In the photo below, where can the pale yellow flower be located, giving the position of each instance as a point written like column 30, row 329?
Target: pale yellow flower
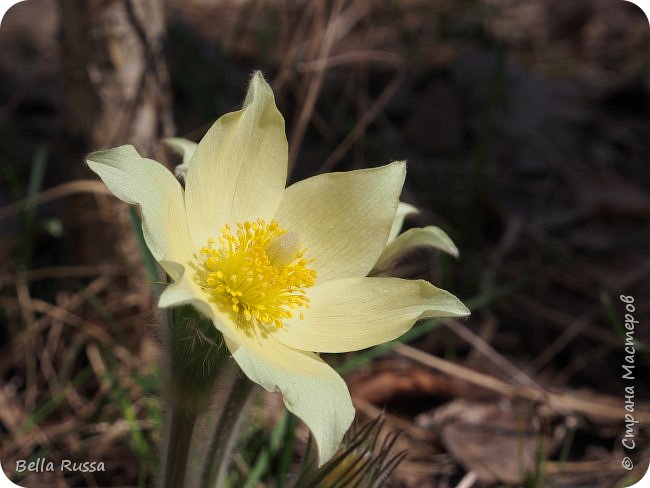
column 280, row 271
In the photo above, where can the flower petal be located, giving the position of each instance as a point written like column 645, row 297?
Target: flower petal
column 239, row 169
column 403, row 210
column 343, row 218
column 186, row 149
column 310, row 388
column 185, row 292
column 429, row 236
column 150, row 185
column 356, row 313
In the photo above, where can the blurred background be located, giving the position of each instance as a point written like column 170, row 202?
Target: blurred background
column 527, row 132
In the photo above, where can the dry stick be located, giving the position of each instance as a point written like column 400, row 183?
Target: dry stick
column 442, row 465
column 563, row 319
column 352, row 57
column 11, row 415
column 75, row 301
column 579, row 324
column 53, row 312
column 39, row 436
column 362, row 104
column 486, row 332
column 490, row 353
column 320, row 65
column 576, row 327
column 372, row 113
column 554, row 400
column 284, row 27
column 320, row 124
column 468, row 480
column 49, row 373
column 508, row 240
column 562, row 376
column 293, row 49
column 29, row 343
column 313, row 44
column 70, row 188
column 584, row 467
column 344, row 23
column 65, row 272
column 53, row 339
column 104, row 435
column 98, row 366
column 28, row 306
column 314, row 87
column 46, row 364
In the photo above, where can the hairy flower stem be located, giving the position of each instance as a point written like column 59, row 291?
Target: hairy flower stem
column 180, row 435
column 227, row 432
column 194, row 356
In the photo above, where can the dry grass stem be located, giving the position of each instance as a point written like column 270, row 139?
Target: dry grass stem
column 605, row 408
column 63, row 190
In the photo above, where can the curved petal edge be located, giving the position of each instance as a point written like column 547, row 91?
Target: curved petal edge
column 357, row 313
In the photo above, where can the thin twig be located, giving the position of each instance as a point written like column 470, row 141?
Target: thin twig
column 490, row 353
column 369, row 116
column 70, row 188
column 309, row 103
column 576, row 327
column 559, row 401
column 65, row 272
column 468, row 480
column 29, row 342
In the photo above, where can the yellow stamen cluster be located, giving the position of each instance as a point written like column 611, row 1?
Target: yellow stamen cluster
column 257, row 272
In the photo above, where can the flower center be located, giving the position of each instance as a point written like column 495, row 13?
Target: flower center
column 257, row 272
